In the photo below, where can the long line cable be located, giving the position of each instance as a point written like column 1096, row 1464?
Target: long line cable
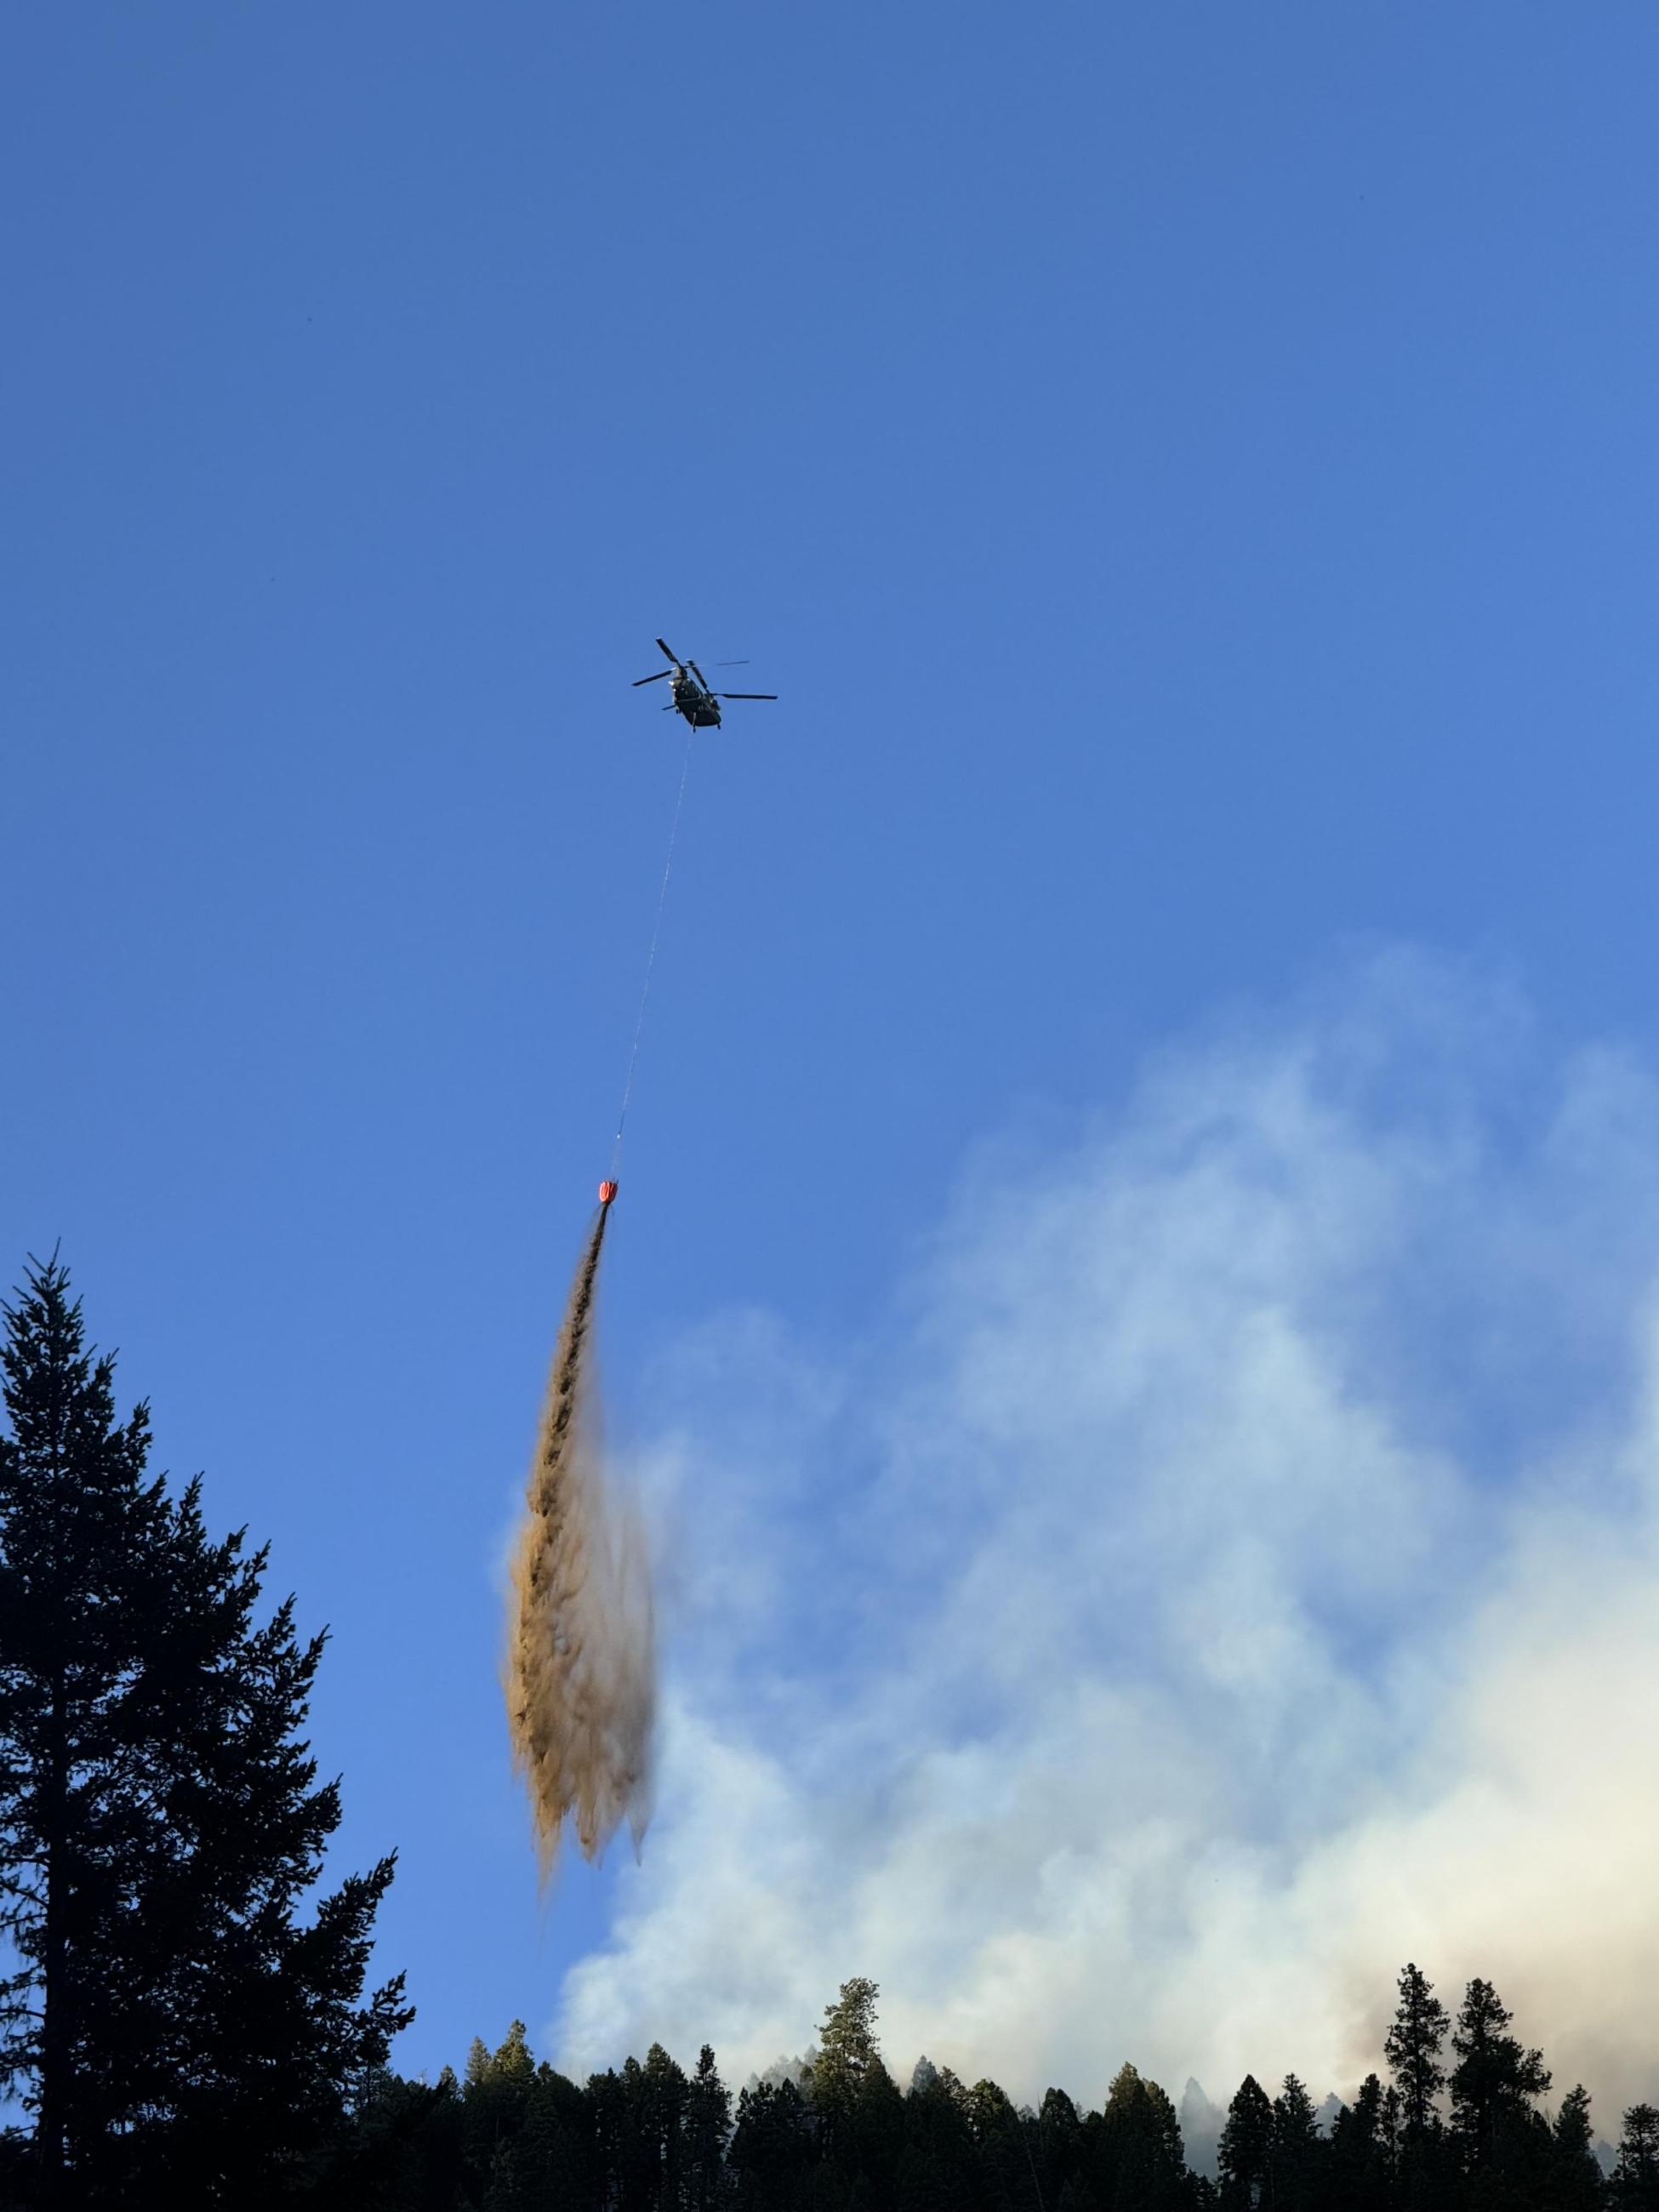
column 651, row 956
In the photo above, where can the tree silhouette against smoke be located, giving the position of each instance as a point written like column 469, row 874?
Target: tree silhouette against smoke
column 1576, row 2176
column 1412, row 2050
column 1494, row 2087
column 649, row 2138
column 1635, row 2176
column 1245, row 2155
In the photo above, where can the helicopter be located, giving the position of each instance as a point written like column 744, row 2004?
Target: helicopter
column 692, row 694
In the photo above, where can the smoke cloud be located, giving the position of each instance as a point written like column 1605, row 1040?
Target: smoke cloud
column 581, row 1673
column 1228, row 1569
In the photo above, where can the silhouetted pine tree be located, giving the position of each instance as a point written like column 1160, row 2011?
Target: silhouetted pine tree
column 610, row 2126
column 524, row 2138
column 175, row 2034
column 708, row 2118
column 663, row 2090
column 938, row 2171
column 1005, row 2157
column 495, row 2100
column 1059, row 2146
column 1298, row 2158
column 1575, row 2176
column 770, row 2159
column 1139, row 2162
column 1412, row 2050
column 1244, row 2155
column 1502, row 2143
column 874, row 2139
column 1423, row 2169
column 1358, row 2165
column 635, row 2127
column 1391, row 2134
column 1635, row 2187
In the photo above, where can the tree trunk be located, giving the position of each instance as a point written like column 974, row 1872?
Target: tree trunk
column 49, row 2129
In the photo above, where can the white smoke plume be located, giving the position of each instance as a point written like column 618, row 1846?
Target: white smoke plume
column 1231, row 1570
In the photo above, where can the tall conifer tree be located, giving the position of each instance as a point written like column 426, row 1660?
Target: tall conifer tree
column 846, row 2045
column 1576, row 2178
column 1493, row 2085
column 1244, row 2155
column 1413, row 2050
column 1298, row 2149
column 1359, row 2145
column 175, row 2033
column 707, row 2121
column 1635, row 2185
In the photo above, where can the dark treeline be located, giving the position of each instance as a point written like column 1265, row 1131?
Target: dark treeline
column 183, row 2016
column 1455, row 2127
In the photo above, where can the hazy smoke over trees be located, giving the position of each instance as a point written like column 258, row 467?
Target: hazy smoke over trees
column 839, row 2132
column 1226, row 1565
column 581, row 1658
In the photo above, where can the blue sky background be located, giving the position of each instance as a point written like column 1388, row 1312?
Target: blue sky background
column 1189, row 471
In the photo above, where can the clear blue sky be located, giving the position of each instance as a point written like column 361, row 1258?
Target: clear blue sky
column 1189, row 470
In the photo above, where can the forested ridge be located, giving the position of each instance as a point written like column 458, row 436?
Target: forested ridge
column 185, row 2020
column 1455, row 2119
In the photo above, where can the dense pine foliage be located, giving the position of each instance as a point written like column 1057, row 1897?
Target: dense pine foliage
column 177, row 2029
column 838, row 2135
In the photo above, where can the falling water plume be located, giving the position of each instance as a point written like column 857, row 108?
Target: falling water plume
column 581, row 1661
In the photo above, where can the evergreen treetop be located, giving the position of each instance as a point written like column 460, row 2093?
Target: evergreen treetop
column 1412, row 2050
column 1495, row 2079
column 1244, row 2156
column 170, row 2022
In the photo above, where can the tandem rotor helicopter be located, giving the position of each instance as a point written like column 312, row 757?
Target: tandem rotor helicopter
column 692, row 694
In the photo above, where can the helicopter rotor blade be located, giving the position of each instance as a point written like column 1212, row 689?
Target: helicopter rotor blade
column 670, row 651
column 698, row 673
column 730, row 664
column 746, row 695
column 660, row 676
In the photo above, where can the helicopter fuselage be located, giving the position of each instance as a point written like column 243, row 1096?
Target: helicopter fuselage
column 699, row 707
column 690, row 694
